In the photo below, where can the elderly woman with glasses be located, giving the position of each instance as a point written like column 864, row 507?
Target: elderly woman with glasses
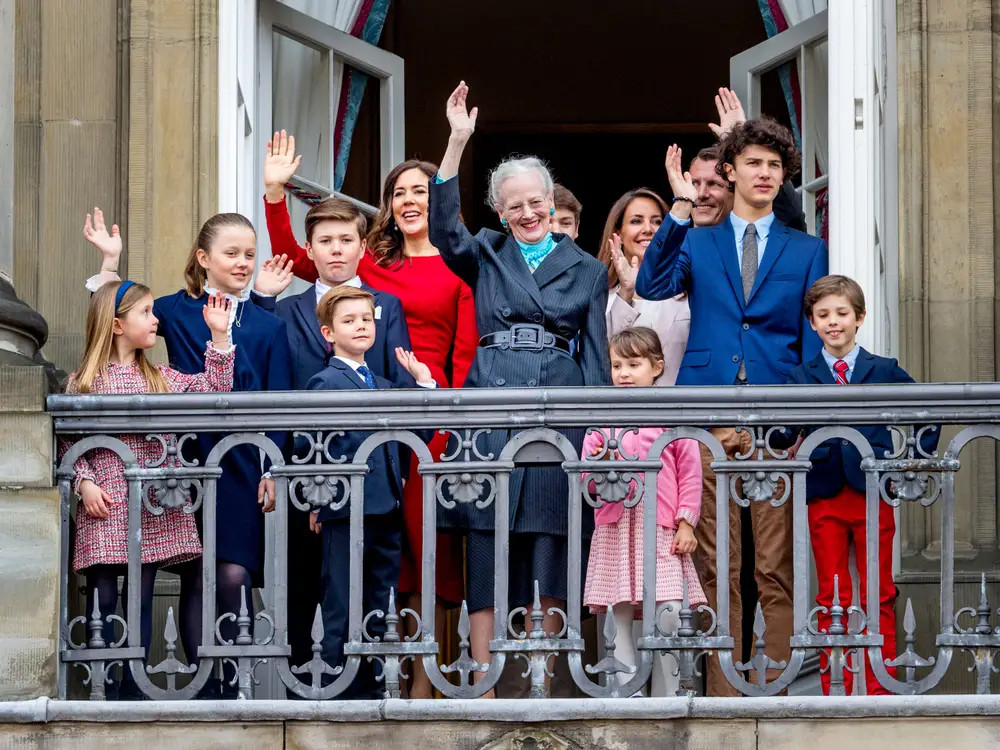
column 535, row 291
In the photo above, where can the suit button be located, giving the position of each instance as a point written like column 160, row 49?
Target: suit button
column 746, row 326
column 537, row 317
column 532, row 382
column 736, row 358
column 505, row 312
column 500, row 381
column 844, row 442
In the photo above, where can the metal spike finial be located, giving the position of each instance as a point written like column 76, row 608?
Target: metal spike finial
column 464, row 664
column 983, row 610
column 243, row 621
column 96, row 625
column 537, row 616
column 391, row 619
column 837, row 626
column 686, row 628
column 760, row 662
column 316, row 667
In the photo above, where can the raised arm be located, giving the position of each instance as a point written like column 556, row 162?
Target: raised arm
column 447, row 233
column 280, row 163
column 108, row 244
column 663, row 273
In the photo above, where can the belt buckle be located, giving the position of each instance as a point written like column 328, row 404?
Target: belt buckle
column 526, row 336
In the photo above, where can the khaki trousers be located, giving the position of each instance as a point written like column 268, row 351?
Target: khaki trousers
column 772, row 537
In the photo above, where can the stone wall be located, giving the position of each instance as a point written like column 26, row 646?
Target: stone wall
column 29, row 538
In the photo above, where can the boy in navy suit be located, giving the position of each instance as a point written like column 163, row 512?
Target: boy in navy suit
column 335, row 231
column 835, row 308
column 347, row 316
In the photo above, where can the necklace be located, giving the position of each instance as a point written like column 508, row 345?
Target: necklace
column 240, row 308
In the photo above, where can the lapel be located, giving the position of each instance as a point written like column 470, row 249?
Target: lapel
column 563, row 256
column 347, row 372
column 725, row 243
column 512, row 260
column 776, row 242
column 818, row 369
column 863, row 365
column 305, row 310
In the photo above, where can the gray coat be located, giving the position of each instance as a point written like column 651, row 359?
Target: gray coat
column 567, row 294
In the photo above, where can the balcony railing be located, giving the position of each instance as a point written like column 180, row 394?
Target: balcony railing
column 466, row 473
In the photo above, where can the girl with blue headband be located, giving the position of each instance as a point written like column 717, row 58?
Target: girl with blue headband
column 221, row 260
column 121, row 326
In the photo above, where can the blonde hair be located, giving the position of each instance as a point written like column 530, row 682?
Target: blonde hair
column 328, row 305
column 194, row 274
column 101, row 337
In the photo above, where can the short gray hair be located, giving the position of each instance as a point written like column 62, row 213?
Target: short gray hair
column 512, row 167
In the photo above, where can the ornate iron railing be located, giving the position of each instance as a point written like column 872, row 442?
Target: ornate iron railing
column 535, row 419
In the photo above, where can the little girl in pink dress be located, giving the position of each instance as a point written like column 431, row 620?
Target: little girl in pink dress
column 614, row 571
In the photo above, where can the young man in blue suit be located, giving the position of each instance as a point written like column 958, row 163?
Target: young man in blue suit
column 348, row 324
column 835, row 487
column 335, row 242
column 745, row 277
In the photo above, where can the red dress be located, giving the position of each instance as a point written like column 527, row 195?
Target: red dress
column 442, row 324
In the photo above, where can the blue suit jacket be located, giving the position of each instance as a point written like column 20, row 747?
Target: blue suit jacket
column 769, row 331
column 384, row 481
column 310, row 350
column 837, row 462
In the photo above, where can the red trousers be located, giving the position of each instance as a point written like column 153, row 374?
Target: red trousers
column 835, row 524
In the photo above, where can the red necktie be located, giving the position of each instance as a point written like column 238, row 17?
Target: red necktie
column 841, row 367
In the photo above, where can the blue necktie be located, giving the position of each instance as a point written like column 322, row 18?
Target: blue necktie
column 364, row 372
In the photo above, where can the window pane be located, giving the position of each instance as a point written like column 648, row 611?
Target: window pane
column 359, row 137
column 301, row 104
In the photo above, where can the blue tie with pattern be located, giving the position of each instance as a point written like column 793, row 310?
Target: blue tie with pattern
column 365, row 373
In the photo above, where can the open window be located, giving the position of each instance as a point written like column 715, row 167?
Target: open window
column 838, row 76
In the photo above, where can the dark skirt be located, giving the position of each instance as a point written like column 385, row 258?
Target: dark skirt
column 532, row 557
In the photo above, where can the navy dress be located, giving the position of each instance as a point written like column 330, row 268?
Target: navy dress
column 567, row 295
column 263, row 363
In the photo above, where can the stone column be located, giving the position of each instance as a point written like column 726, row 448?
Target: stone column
column 172, row 53
column 948, row 154
column 946, row 237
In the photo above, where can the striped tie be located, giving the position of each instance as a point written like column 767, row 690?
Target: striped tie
column 840, row 367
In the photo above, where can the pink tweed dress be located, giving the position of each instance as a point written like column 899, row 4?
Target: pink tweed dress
column 169, row 538
column 614, row 570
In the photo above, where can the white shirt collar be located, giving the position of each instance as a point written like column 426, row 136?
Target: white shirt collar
column 322, row 288
column 762, row 225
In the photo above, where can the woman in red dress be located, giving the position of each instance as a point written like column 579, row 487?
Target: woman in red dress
column 441, row 319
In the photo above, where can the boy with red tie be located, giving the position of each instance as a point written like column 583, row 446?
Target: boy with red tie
column 835, row 308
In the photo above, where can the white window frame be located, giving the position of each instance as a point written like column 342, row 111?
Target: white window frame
column 246, row 30
column 861, row 145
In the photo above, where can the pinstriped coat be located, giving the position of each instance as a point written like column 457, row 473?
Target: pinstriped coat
column 567, row 294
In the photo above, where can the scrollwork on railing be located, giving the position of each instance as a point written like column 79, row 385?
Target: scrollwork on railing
column 474, row 475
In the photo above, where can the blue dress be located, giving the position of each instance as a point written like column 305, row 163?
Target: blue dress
column 263, row 363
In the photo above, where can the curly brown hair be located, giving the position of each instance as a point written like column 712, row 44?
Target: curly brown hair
column 385, row 241
column 766, row 132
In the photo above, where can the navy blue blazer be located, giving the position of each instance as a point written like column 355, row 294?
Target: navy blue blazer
column 837, row 462
column 769, row 331
column 310, row 350
column 384, row 481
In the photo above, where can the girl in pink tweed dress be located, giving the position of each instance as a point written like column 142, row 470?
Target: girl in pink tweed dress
column 614, row 571
column 120, row 327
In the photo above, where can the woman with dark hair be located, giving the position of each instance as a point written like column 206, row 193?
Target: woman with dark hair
column 535, row 292
column 400, row 260
column 631, row 225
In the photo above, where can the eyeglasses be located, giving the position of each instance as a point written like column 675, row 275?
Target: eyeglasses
column 518, row 209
